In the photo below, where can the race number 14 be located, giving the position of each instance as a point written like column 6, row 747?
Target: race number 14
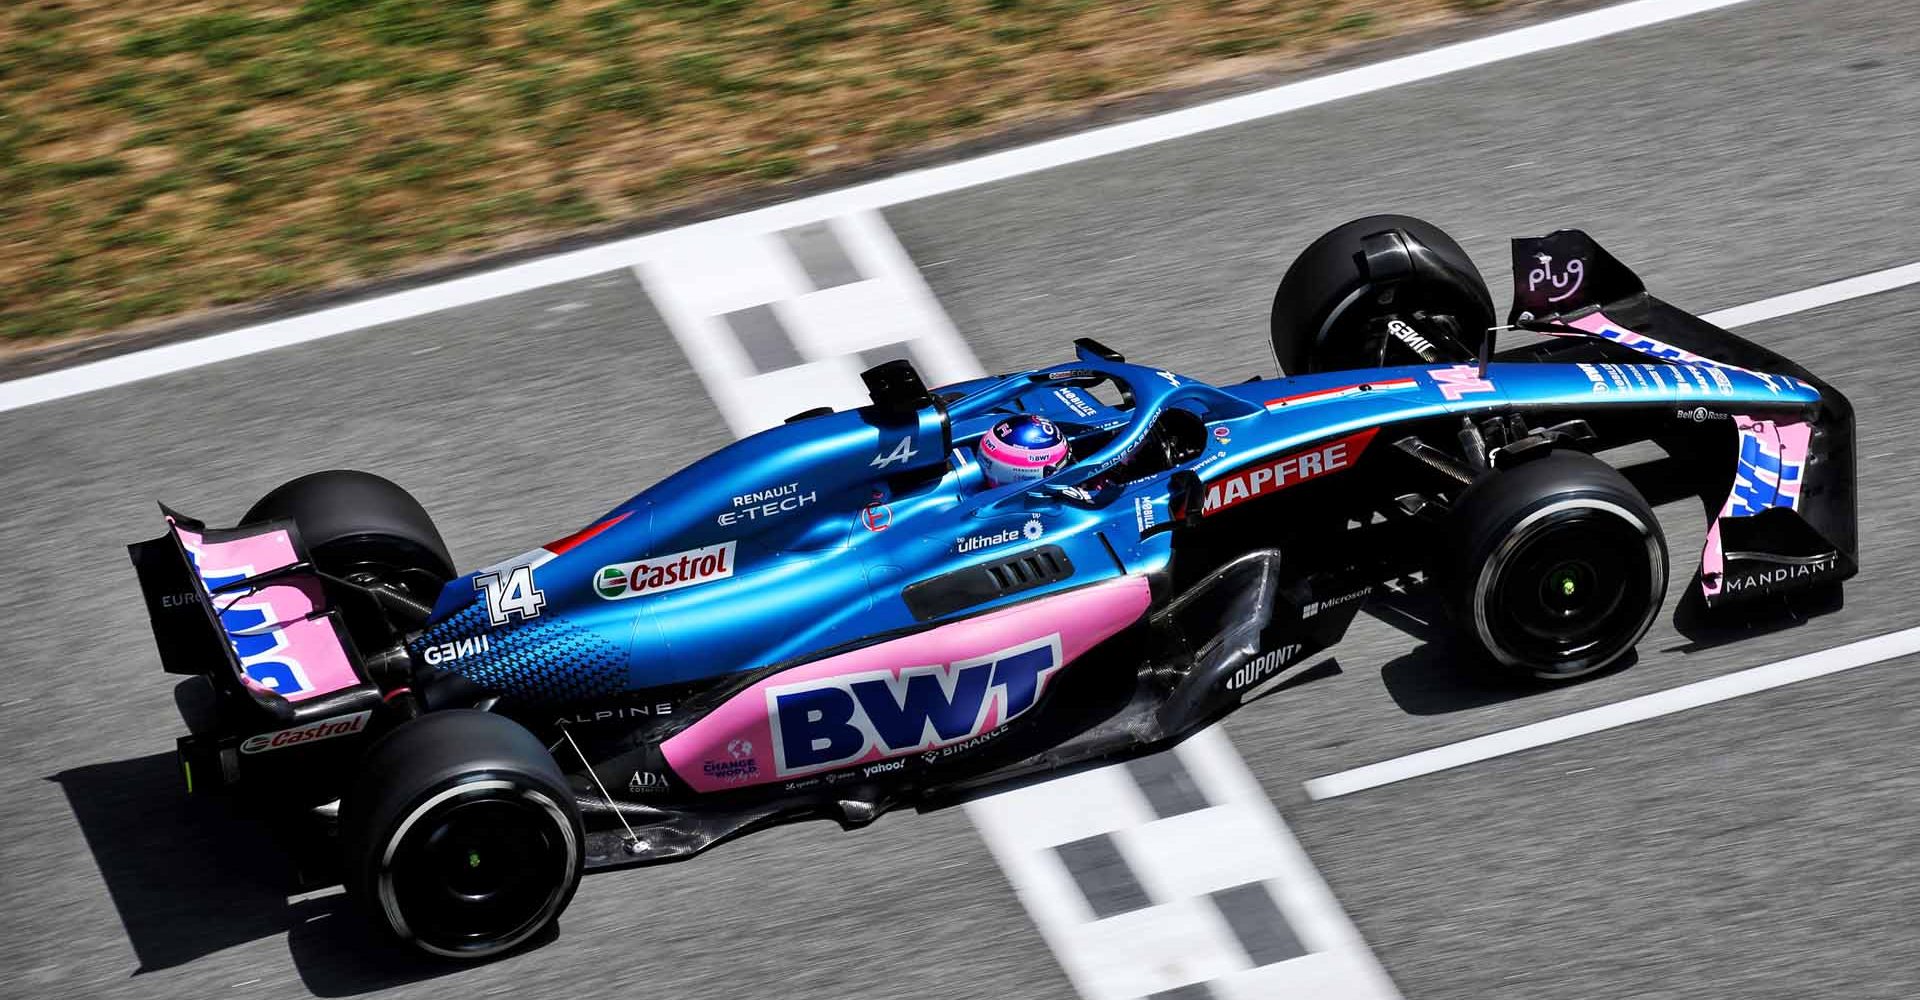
column 512, row 595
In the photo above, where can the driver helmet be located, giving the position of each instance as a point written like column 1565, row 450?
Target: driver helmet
column 1021, row 448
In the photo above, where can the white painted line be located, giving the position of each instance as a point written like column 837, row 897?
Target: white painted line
column 1594, row 720
column 1076, row 148
column 1815, row 298
column 1181, row 939
column 702, row 273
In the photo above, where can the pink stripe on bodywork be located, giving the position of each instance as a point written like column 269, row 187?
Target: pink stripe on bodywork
column 1600, row 326
column 281, row 647
column 733, row 746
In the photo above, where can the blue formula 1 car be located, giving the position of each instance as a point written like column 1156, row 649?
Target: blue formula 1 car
column 846, row 614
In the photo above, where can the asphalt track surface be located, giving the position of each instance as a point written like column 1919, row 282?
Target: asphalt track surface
column 1761, row 847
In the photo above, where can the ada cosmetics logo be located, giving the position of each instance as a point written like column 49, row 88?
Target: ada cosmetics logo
column 659, row 574
column 647, row 783
column 830, row 722
column 312, row 732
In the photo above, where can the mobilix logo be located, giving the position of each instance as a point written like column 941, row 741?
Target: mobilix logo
column 830, row 722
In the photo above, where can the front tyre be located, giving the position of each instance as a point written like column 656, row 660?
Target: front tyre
column 1553, row 570
column 461, row 836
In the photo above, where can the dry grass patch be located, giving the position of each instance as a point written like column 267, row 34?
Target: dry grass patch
column 157, row 158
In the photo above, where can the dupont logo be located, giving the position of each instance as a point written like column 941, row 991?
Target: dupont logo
column 1288, row 470
column 659, row 574
column 325, row 729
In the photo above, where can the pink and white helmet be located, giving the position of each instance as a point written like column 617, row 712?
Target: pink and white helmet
column 1022, row 447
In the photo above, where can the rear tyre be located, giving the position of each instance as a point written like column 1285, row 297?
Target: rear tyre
column 461, row 836
column 358, row 525
column 1552, row 570
column 1329, row 312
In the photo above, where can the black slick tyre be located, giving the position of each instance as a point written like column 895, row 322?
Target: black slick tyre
column 1326, row 310
column 460, row 835
column 1552, row 570
column 358, row 524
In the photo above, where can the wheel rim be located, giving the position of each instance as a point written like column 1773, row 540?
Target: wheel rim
column 478, row 869
column 413, row 570
column 1571, row 589
column 1347, row 342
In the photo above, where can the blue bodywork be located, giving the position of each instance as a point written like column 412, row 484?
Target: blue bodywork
column 800, row 539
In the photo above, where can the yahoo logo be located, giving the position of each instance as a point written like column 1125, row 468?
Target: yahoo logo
column 832, row 721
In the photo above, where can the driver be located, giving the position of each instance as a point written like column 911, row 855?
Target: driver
column 1022, row 447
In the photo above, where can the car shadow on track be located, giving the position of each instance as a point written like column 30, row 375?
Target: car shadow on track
column 191, row 878
column 1430, row 679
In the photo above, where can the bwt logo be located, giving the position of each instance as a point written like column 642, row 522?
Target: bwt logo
column 833, row 721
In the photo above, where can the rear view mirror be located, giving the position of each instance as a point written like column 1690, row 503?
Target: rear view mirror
column 1188, row 498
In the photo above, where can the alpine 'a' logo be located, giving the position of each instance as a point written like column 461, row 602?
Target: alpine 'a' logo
column 902, row 452
column 833, row 721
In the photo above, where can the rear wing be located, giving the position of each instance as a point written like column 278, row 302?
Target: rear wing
column 1790, row 517
column 245, row 607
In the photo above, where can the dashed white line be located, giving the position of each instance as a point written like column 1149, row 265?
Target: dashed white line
column 871, row 196
column 818, row 335
column 1649, row 706
column 768, row 340
column 1179, row 940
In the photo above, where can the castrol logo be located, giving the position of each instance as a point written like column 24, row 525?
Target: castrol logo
column 325, row 729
